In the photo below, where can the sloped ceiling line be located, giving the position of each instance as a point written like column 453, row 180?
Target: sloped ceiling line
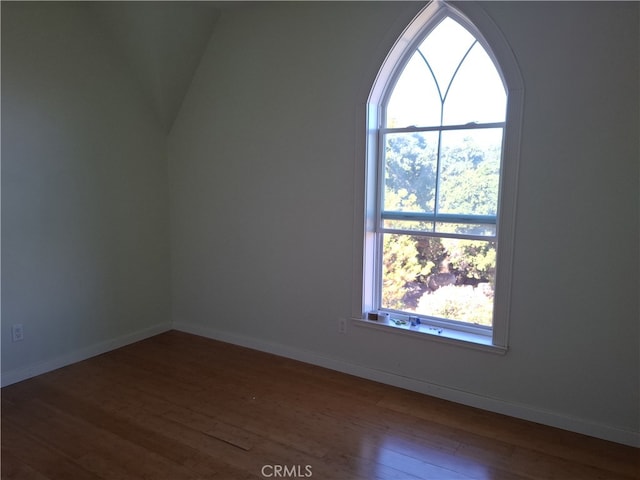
column 163, row 43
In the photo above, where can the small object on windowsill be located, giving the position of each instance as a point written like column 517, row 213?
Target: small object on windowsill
column 415, row 321
column 378, row 316
column 399, row 322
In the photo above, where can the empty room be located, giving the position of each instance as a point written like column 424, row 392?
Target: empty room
column 333, row 240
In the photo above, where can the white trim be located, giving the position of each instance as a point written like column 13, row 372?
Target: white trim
column 517, row 410
column 512, row 409
column 408, row 40
column 17, row 375
column 442, row 335
column 476, row 20
column 503, row 56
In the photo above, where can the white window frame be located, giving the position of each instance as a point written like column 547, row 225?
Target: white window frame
column 479, row 24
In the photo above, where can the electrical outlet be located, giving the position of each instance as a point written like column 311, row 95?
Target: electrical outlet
column 342, row 325
column 17, row 333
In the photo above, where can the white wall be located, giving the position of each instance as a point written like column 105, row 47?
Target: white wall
column 263, row 188
column 85, row 250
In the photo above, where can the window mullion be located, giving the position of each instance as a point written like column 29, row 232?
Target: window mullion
column 442, row 217
column 423, row 233
column 436, row 200
column 433, row 75
column 453, row 77
column 467, row 126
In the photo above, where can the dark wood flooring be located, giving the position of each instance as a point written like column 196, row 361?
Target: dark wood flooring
column 178, row 406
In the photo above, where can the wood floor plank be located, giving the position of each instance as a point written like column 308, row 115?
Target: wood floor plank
column 39, row 456
column 182, row 431
column 178, row 406
column 68, row 433
column 12, row 467
column 249, row 413
column 131, row 425
column 527, row 436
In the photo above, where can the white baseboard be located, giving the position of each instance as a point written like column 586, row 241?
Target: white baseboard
column 14, row 376
column 517, row 410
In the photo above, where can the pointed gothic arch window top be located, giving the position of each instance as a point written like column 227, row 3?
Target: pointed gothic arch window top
column 448, row 80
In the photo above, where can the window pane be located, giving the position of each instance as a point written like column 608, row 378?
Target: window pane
column 477, row 93
column 470, row 171
column 444, row 48
column 415, row 99
column 410, row 171
column 439, row 277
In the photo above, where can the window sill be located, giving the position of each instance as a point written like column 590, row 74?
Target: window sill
column 437, row 334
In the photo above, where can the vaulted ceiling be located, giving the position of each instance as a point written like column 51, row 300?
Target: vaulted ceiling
column 163, row 43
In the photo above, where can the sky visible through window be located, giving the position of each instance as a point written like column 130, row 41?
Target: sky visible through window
column 472, row 91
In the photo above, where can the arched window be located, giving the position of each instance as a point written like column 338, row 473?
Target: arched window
column 443, row 129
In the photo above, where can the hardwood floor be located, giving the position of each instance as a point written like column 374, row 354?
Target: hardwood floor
column 178, row 406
